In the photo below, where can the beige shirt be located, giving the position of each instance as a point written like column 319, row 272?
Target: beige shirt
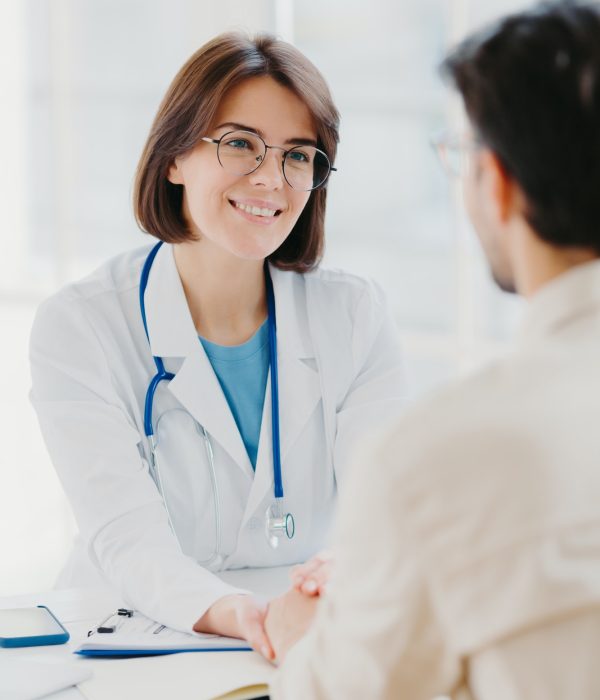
column 468, row 540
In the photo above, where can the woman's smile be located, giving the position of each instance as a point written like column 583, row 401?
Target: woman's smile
column 257, row 211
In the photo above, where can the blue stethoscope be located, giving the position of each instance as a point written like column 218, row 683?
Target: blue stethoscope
column 278, row 523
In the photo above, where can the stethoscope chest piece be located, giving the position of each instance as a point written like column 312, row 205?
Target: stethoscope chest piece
column 278, row 524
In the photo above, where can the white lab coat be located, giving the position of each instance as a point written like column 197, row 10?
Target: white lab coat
column 339, row 378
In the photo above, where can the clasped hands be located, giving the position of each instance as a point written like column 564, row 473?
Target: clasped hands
column 290, row 615
column 272, row 629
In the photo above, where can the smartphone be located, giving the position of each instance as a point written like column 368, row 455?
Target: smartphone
column 30, row 627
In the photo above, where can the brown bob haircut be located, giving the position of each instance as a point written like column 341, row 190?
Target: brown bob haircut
column 187, row 112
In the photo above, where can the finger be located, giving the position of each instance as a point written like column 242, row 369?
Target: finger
column 255, row 633
column 309, row 587
column 310, row 567
column 259, row 641
column 301, row 570
column 316, row 583
column 302, row 574
column 298, row 569
column 297, row 576
column 312, row 582
column 324, row 556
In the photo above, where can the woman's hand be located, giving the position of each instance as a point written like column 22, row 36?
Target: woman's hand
column 289, row 618
column 240, row 616
column 312, row 577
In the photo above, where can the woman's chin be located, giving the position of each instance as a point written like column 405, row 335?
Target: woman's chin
column 254, row 251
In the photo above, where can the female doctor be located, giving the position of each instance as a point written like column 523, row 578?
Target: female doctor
column 201, row 398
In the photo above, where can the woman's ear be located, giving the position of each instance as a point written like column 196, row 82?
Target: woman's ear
column 174, row 174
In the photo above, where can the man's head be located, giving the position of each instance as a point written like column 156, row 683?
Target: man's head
column 531, row 90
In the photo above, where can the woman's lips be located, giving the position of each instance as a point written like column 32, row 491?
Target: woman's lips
column 257, row 211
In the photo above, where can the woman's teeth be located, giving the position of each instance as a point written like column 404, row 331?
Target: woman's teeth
column 257, row 211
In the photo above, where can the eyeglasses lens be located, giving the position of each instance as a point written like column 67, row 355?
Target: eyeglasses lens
column 304, row 167
column 452, row 158
column 241, row 152
column 455, row 154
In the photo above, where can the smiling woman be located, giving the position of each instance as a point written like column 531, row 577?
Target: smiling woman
column 201, row 399
column 252, row 216
column 206, row 89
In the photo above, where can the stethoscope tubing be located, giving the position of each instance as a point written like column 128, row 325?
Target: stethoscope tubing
column 160, row 367
column 162, row 374
column 277, row 480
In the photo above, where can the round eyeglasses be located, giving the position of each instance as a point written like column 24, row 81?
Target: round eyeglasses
column 455, row 152
column 242, row 152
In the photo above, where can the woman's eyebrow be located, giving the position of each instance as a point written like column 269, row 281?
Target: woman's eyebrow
column 299, row 141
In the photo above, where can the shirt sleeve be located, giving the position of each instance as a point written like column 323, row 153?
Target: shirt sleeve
column 94, row 445
column 377, row 633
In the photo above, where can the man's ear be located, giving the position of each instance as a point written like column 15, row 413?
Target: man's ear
column 504, row 194
column 174, row 174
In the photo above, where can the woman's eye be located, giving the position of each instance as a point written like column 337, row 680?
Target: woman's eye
column 238, row 143
column 299, row 157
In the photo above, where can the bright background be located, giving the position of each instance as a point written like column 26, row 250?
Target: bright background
column 80, row 81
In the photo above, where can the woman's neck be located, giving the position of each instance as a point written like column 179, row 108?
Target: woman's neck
column 226, row 295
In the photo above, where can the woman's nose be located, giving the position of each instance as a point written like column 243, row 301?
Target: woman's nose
column 270, row 172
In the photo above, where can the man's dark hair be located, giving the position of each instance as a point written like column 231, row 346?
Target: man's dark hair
column 531, row 88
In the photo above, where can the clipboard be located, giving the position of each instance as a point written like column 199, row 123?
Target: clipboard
column 128, row 633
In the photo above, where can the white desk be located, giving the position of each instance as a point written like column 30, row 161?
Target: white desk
column 79, row 609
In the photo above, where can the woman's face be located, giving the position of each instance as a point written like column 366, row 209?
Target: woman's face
column 216, row 203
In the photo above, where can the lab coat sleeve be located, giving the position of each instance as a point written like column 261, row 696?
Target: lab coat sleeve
column 376, row 393
column 377, row 633
column 93, row 444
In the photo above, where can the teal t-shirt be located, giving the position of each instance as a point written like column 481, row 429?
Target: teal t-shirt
column 242, row 372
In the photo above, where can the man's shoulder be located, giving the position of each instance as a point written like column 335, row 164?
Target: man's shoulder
column 464, row 400
column 458, row 457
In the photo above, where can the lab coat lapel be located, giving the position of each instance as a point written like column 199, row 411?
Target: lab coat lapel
column 299, row 385
column 172, row 334
column 263, row 477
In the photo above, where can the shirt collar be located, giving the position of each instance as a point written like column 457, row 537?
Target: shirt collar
column 571, row 295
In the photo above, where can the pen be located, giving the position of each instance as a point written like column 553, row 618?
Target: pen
column 103, row 628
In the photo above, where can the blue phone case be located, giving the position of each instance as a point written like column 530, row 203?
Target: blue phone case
column 38, row 640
